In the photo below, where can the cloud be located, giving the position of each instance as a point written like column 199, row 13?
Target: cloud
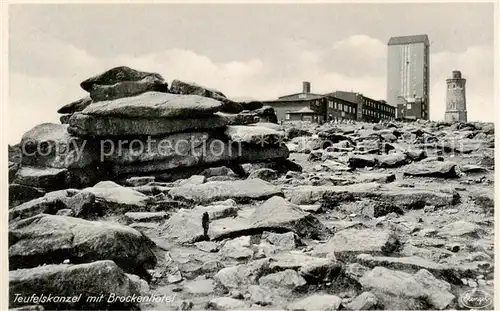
column 45, row 75
column 51, row 78
column 34, row 100
column 357, row 55
column 375, row 48
column 43, row 57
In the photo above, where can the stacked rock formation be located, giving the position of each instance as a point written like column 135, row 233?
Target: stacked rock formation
column 132, row 124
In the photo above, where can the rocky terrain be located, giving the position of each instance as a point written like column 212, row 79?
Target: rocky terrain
column 297, row 216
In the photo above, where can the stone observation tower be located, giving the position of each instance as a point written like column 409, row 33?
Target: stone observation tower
column 456, row 109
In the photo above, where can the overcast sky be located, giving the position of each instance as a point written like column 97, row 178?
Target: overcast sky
column 259, row 51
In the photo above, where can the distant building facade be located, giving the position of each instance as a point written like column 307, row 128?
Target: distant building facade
column 287, row 107
column 339, row 105
column 367, row 109
column 408, row 76
column 409, row 108
column 338, row 109
column 353, row 98
column 456, row 106
column 303, row 114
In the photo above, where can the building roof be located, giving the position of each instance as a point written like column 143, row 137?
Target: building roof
column 350, row 97
column 295, row 98
column 408, row 39
column 303, row 110
column 338, row 95
column 300, row 96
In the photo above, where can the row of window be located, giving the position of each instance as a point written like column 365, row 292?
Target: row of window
column 368, row 111
column 375, row 114
column 378, row 106
column 453, row 86
column 365, row 112
column 341, row 107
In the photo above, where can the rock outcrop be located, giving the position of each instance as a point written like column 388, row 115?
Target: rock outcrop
column 131, row 124
column 50, row 239
column 192, row 201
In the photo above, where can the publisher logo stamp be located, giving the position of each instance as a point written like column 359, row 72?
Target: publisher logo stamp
column 476, row 299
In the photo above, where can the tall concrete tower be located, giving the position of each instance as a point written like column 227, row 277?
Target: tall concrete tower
column 408, row 76
column 456, row 109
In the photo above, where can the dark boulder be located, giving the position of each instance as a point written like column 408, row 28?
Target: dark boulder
column 251, row 105
column 18, row 194
column 443, row 169
column 117, row 74
column 76, row 106
column 47, row 239
column 127, row 89
column 360, row 161
column 189, row 88
column 64, row 119
column 392, row 160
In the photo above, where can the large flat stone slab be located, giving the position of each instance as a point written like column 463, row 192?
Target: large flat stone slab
column 313, row 194
column 181, row 149
column 48, row 178
column 185, row 227
column 393, row 287
column 392, row 160
column 105, row 197
column 242, row 118
column 50, row 202
column 127, row 89
column 311, row 268
column 418, row 196
column 117, row 198
column 461, row 229
column 190, row 226
column 230, row 227
column 277, row 214
column 408, row 198
column 81, row 124
column 254, row 135
column 243, row 275
column 283, row 282
column 296, row 261
column 195, row 153
column 316, row 302
column 445, row 169
column 155, row 105
column 239, row 190
column 413, row 264
column 382, row 178
column 349, row 243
